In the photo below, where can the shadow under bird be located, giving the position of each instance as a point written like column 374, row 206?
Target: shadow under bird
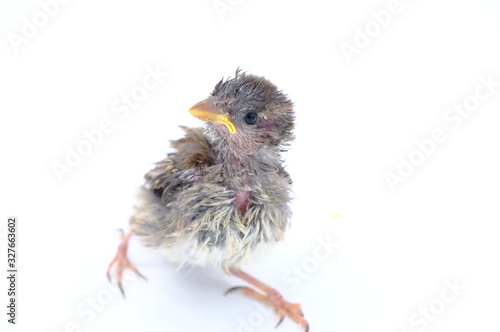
column 223, row 195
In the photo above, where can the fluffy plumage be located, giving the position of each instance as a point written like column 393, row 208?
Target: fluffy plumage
column 221, row 196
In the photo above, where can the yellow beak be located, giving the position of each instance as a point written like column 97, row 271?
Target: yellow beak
column 205, row 110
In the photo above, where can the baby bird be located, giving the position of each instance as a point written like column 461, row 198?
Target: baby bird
column 223, row 195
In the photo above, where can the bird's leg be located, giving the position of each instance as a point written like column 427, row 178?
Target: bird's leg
column 271, row 297
column 121, row 262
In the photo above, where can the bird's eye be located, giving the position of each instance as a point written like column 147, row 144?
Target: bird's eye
column 251, row 118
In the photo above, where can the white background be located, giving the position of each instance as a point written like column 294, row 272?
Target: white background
column 396, row 249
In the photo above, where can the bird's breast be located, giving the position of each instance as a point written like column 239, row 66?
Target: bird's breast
column 242, row 201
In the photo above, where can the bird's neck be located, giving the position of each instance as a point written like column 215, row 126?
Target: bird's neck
column 242, row 170
column 241, row 159
column 246, row 165
column 238, row 159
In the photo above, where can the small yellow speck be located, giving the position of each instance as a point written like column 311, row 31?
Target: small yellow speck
column 335, row 216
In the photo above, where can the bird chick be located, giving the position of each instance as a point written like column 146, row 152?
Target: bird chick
column 223, row 195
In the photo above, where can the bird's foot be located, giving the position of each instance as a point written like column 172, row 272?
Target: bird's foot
column 121, row 262
column 271, row 297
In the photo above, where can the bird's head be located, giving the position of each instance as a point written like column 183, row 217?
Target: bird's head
column 248, row 109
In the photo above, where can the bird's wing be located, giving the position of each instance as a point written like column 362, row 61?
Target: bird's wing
column 181, row 168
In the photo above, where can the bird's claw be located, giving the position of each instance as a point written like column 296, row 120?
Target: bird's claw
column 282, row 317
column 276, row 301
column 121, row 262
column 237, row 288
